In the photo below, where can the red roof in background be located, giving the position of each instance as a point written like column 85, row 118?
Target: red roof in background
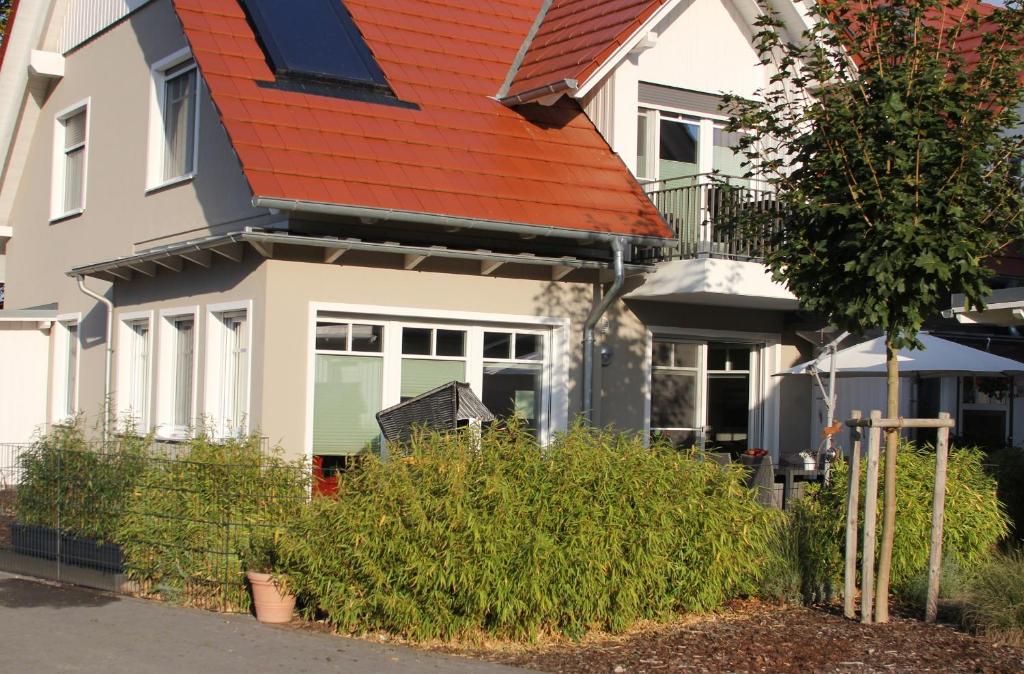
column 461, row 154
column 576, row 37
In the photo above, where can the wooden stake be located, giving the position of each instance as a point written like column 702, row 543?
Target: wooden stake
column 931, row 610
column 852, row 510
column 867, row 571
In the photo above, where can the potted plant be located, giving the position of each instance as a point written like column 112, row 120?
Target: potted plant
column 270, row 596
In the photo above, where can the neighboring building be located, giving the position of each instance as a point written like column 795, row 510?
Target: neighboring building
column 302, row 219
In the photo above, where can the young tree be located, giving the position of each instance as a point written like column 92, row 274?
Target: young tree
column 5, row 11
column 889, row 134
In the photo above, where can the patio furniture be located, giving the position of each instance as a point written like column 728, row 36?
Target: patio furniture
column 445, row 408
column 760, row 474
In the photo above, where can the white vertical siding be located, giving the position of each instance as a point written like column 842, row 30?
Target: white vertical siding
column 86, row 18
column 600, row 107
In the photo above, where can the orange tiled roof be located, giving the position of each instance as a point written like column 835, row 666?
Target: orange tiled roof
column 576, row 37
column 461, row 153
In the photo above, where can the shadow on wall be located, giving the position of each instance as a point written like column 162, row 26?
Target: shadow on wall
column 618, row 384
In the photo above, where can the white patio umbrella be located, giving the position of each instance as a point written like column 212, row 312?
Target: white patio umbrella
column 939, row 358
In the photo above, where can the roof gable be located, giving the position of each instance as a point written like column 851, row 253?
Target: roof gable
column 455, row 152
column 575, row 38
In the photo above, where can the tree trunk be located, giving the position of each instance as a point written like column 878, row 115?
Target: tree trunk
column 892, row 441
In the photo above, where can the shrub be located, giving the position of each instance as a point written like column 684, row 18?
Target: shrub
column 1007, row 465
column 995, row 597
column 70, row 482
column 455, row 535
column 974, row 519
column 188, row 518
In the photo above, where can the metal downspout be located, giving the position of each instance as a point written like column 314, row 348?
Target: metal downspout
column 588, row 328
column 110, row 352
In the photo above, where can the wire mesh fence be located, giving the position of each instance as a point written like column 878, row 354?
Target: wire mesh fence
column 147, row 520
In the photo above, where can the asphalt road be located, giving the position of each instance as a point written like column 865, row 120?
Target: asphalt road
column 54, row 628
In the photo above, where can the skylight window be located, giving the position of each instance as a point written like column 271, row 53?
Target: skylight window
column 315, row 40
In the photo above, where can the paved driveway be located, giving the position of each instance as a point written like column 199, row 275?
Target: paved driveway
column 51, row 628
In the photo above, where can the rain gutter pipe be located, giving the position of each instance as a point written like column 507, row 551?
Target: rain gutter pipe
column 110, row 352
column 596, row 313
column 415, row 217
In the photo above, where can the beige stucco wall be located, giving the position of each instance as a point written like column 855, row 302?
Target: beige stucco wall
column 224, row 282
column 113, row 71
column 292, row 286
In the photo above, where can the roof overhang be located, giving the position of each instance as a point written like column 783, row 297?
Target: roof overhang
column 456, row 223
column 201, row 253
column 1003, row 307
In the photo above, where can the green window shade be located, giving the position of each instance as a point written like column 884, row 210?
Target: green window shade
column 347, row 395
column 419, row 376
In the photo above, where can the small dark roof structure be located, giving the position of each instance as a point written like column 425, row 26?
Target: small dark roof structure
column 444, row 408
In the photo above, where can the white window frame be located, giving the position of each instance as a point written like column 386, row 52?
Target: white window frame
column 155, row 180
column 165, row 427
column 705, row 141
column 125, row 369
column 213, row 395
column 766, row 358
column 59, row 390
column 58, row 185
column 554, row 330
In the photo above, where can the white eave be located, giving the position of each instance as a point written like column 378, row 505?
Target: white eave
column 1003, row 307
column 715, row 282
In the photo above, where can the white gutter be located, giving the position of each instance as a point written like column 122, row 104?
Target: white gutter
column 456, row 222
column 107, row 385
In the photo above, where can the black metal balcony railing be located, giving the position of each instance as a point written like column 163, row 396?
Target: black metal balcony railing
column 713, row 216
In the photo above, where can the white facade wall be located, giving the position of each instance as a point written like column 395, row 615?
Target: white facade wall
column 24, row 357
column 702, row 45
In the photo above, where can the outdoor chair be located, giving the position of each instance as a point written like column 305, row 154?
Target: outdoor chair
column 445, row 408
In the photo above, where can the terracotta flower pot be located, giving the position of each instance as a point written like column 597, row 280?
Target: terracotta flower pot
column 272, row 605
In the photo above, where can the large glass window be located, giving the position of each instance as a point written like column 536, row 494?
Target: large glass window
column 444, row 352
column 365, row 366
column 701, row 393
column 348, row 388
column 675, row 374
column 681, row 141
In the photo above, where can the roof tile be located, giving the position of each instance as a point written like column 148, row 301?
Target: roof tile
column 458, row 152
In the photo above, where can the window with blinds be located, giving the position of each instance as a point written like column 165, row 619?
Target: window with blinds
column 138, row 364
column 234, row 367
column 183, row 369
column 72, row 133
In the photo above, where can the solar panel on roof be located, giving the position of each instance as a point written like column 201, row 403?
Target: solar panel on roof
column 314, row 39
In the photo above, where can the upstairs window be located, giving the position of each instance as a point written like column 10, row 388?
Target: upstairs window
column 69, row 165
column 175, row 121
column 674, row 145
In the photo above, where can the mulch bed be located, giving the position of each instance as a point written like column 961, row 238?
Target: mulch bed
column 756, row 637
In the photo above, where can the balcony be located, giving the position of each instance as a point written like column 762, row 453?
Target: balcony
column 712, row 216
column 724, row 228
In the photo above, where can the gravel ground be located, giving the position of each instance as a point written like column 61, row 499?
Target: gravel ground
column 755, row 637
